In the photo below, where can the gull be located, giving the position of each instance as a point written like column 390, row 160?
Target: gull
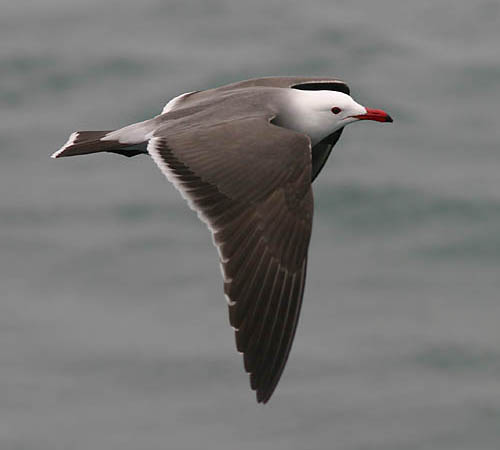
column 244, row 156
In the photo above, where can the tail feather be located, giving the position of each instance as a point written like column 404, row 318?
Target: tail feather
column 85, row 142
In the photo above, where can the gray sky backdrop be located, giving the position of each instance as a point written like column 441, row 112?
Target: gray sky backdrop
column 113, row 328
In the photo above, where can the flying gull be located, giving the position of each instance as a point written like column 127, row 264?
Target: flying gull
column 244, row 156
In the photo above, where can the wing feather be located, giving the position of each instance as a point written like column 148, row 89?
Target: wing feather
column 250, row 181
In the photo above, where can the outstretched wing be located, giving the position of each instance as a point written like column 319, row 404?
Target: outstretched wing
column 302, row 83
column 250, row 181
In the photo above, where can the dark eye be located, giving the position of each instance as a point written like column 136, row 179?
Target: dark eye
column 336, row 110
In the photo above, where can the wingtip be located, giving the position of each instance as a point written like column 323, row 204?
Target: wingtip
column 262, row 397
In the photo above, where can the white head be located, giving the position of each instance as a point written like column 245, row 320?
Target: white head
column 320, row 113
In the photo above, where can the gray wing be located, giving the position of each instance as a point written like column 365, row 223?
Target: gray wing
column 250, row 181
column 304, row 83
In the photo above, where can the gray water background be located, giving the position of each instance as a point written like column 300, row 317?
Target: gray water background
column 113, row 326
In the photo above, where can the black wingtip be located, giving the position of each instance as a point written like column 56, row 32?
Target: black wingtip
column 263, row 397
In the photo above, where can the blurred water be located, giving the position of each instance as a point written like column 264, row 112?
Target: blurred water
column 113, row 326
